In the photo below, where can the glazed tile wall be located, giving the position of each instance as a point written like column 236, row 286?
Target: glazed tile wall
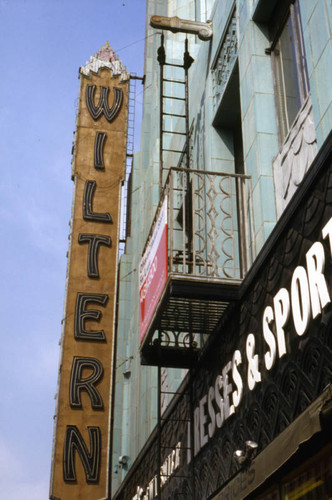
column 135, row 417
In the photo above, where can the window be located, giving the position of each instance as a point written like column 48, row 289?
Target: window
column 310, row 481
column 203, row 10
column 289, row 64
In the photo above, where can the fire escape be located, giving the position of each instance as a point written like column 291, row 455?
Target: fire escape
column 207, row 251
column 208, row 234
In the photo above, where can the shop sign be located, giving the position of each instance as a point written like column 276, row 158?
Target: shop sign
column 153, row 271
column 168, row 468
column 301, row 302
column 80, row 465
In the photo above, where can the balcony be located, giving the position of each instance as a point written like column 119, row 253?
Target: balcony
column 195, row 258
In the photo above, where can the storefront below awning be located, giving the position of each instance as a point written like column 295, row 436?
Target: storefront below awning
column 311, row 422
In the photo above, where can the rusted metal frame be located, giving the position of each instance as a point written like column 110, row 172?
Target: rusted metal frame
column 251, row 237
column 299, row 52
column 170, row 190
column 193, row 229
column 172, row 448
column 184, row 220
column 175, row 475
column 186, row 72
column 171, row 132
column 174, row 81
column 230, row 257
column 175, row 419
column 192, row 435
column 245, row 222
column 188, row 200
column 173, row 392
column 211, row 172
column 173, row 97
column 242, row 240
column 172, row 150
column 171, row 218
column 174, row 114
column 174, row 65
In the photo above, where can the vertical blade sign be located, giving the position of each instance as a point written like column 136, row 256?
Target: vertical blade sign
column 81, row 450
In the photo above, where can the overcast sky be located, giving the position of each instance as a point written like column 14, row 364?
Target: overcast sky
column 42, row 45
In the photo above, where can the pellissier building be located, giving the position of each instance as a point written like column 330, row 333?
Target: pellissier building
column 219, row 364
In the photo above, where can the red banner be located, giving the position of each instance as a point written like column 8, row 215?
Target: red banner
column 153, row 271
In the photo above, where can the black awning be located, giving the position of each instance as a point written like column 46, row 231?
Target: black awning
column 278, row 452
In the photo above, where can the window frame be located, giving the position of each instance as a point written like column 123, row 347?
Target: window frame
column 287, row 16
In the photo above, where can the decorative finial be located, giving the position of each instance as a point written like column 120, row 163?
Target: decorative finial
column 105, row 58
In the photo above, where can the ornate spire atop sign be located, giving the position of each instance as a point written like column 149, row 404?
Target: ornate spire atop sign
column 105, row 58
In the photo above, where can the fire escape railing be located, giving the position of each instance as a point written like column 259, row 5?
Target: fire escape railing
column 209, row 216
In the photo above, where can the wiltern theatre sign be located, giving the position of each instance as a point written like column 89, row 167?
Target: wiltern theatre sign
column 80, row 467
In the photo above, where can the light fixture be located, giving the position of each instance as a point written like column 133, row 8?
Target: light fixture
column 239, row 456
column 123, row 461
column 251, row 447
column 246, row 455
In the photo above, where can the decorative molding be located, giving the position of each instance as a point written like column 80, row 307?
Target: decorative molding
column 295, row 157
column 225, row 59
column 177, row 25
column 105, row 58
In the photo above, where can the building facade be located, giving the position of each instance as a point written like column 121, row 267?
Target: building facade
column 220, row 353
column 224, row 354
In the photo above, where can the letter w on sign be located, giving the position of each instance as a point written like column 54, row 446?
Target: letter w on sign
column 103, row 107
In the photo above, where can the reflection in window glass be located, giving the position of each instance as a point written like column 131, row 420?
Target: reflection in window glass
column 291, row 79
column 313, row 484
column 203, row 10
column 273, row 494
column 311, row 481
column 286, row 78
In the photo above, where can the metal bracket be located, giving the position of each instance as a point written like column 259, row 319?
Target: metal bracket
column 177, row 25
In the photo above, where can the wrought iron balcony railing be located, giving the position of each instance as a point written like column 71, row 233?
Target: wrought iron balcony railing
column 207, row 230
column 209, row 249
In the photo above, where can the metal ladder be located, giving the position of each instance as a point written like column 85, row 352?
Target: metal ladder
column 169, row 116
column 126, row 186
column 174, row 127
column 164, row 448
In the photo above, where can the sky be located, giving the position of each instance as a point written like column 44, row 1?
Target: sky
column 42, row 45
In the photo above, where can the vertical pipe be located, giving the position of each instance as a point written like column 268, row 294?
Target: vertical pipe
column 192, row 463
column 170, row 209
column 245, row 218
column 161, row 59
column 184, row 185
column 159, row 431
column 126, row 406
column 187, row 62
column 192, row 229
column 241, row 228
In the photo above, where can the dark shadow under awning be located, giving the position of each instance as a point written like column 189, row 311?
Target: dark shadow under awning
column 279, row 451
